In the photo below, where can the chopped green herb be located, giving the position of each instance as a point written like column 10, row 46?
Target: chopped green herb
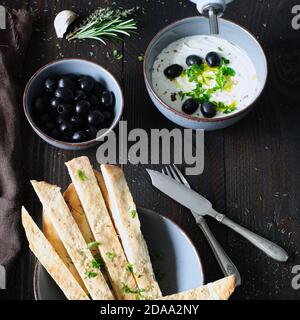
column 93, row 244
column 225, row 61
column 133, row 213
column 220, row 49
column 117, row 54
column 181, row 94
column 90, row 274
column 141, row 57
column 81, row 175
column 202, row 76
column 129, row 267
column 111, row 256
column 136, row 291
column 97, row 263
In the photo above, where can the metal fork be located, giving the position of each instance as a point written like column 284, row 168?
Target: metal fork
column 225, row 263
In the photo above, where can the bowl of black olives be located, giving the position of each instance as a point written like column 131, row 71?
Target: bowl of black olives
column 73, row 103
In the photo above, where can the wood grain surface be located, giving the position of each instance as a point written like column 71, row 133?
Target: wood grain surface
column 252, row 169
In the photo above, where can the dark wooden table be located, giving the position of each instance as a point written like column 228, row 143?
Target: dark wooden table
column 252, row 169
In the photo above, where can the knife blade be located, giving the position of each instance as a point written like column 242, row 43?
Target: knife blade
column 179, row 192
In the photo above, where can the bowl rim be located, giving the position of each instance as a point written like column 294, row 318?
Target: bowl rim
column 150, row 87
column 38, row 265
column 42, row 134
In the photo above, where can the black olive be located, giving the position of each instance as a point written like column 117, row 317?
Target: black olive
column 66, row 128
column 80, row 95
column 193, row 59
column 208, row 109
column 65, row 109
column 63, row 94
column 80, row 136
column 107, row 98
column 54, row 103
column 66, row 82
column 60, row 119
column 86, row 83
column 45, row 117
column 95, row 118
column 173, row 71
column 93, row 99
column 77, row 120
column 190, row 106
column 50, row 85
column 92, row 132
column 40, row 104
column 213, row 59
column 98, row 88
column 55, row 133
column 83, row 107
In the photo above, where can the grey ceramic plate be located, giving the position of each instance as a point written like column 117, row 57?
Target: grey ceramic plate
column 174, row 258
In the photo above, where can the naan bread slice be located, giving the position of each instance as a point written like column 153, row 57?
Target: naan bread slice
column 126, row 220
column 58, row 212
column 94, row 206
column 218, row 290
column 50, row 260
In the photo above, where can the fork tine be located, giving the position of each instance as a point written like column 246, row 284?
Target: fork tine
column 173, row 173
column 182, row 177
column 168, row 172
column 163, row 171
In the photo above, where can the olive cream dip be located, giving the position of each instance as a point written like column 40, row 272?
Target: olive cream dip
column 204, row 76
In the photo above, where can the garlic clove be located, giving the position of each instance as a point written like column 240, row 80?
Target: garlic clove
column 62, row 21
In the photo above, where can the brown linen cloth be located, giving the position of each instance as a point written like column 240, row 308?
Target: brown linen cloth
column 13, row 44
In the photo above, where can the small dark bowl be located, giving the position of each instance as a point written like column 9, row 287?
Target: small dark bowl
column 71, row 66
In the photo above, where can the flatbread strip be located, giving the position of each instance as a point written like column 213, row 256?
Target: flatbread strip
column 58, row 212
column 50, row 260
column 73, row 203
column 89, row 193
column 218, row 290
column 128, row 225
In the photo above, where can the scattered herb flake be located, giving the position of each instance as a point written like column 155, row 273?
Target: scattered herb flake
column 81, row 175
column 111, row 256
column 220, row 49
column 90, row 274
column 133, row 213
column 129, row 267
column 117, row 54
column 141, row 57
column 97, row 263
column 93, row 244
column 136, row 291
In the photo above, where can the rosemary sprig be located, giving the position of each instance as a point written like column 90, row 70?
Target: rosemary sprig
column 105, row 23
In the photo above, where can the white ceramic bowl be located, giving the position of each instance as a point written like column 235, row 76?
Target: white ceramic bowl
column 71, row 66
column 200, row 26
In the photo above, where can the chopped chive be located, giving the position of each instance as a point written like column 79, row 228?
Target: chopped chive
column 90, row 274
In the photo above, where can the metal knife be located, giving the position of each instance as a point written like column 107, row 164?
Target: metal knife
column 201, row 206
